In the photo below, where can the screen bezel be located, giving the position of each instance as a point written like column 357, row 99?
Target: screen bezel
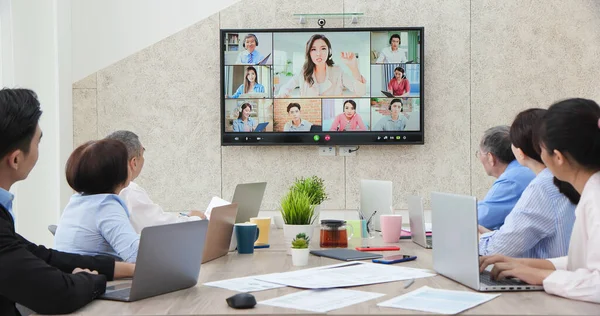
column 308, row 138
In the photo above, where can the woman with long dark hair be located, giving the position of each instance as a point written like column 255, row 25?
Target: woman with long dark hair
column 320, row 75
column 250, row 85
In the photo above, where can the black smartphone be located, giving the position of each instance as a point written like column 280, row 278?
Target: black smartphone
column 395, row 259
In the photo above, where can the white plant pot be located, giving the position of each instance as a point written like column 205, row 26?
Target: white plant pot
column 299, row 256
column 290, row 232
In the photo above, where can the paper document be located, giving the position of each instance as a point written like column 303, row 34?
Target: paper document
column 215, row 202
column 438, row 301
column 251, row 284
column 247, row 284
column 345, row 276
column 321, row 301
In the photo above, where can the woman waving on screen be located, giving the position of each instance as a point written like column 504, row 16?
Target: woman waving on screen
column 320, row 77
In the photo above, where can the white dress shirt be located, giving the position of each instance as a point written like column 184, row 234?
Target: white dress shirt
column 143, row 212
column 387, row 55
column 578, row 275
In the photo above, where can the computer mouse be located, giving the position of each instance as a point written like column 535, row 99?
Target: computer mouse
column 241, row 301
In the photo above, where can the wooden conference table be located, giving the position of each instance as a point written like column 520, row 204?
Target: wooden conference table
column 204, row 300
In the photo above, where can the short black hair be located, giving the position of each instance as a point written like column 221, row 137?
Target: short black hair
column 395, row 36
column 293, row 105
column 572, row 127
column 522, row 131
column 396, row 101
column 98, row 167
column 19, row 116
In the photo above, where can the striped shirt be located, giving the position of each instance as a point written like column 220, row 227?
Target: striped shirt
column 539, row 226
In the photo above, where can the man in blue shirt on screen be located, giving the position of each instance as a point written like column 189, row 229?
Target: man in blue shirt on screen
column 497, row 158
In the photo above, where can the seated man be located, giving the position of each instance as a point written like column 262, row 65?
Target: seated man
column 43, row 280
column 498, row 160
column 142, row 211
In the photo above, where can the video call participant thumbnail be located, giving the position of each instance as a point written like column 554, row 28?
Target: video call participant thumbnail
column 396, row 121
column 349, row 120
column 250, row 84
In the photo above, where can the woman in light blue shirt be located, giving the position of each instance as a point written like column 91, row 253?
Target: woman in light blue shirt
column 250, row 84
column 96, row 220
column 540, row 224
column 244, row 123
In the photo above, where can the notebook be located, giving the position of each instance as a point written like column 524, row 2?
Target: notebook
column 345, row 254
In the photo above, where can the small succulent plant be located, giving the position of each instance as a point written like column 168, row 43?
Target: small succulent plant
column 301, row 241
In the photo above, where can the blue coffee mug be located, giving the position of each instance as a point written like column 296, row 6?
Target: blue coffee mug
column 246, row 234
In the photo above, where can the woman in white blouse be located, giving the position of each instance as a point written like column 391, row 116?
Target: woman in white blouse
column 569, row 139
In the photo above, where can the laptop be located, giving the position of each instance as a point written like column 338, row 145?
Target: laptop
column 220, row 231
column 387, row 94
column 375, row 196
column 265, row 60
column 168, row 260
column 456, row 244
column 261, row 127
column 248, row 197
column 416, row 217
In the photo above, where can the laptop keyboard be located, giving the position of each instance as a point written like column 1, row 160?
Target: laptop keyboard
column 119, row 294
column 486, row 278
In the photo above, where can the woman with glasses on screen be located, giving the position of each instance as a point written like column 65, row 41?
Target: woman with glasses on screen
column 250, row 84
column 399, row 85
column 244, row 123
column 349, row 120
column 320, row 76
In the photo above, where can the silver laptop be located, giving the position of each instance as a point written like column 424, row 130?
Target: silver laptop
column 416, row 217
column 456, row 244
column 168, row 260
column 220, row 231
column 248, row 196
column 375, row 195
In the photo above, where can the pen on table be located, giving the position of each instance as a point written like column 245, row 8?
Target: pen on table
column 408, row 283
column 370, row 218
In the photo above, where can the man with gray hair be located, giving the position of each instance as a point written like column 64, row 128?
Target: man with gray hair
column 142, row 211
column 498, row 160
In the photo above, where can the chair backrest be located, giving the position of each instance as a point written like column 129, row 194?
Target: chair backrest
column 52, row 229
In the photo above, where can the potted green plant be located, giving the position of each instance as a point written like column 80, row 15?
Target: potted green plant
column 314, row 187
column 298, row 215
column 300, row 250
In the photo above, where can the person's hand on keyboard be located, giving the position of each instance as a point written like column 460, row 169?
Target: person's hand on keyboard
column 79, row 270
column 506, row 267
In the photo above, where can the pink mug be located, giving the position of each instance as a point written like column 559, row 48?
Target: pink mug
column 391, row 227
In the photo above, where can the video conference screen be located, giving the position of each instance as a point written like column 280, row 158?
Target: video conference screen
column 322, row 86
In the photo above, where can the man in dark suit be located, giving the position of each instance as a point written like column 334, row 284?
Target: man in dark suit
column 43, row 280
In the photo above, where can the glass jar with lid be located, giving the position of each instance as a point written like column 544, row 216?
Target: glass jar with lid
column 334, row 234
